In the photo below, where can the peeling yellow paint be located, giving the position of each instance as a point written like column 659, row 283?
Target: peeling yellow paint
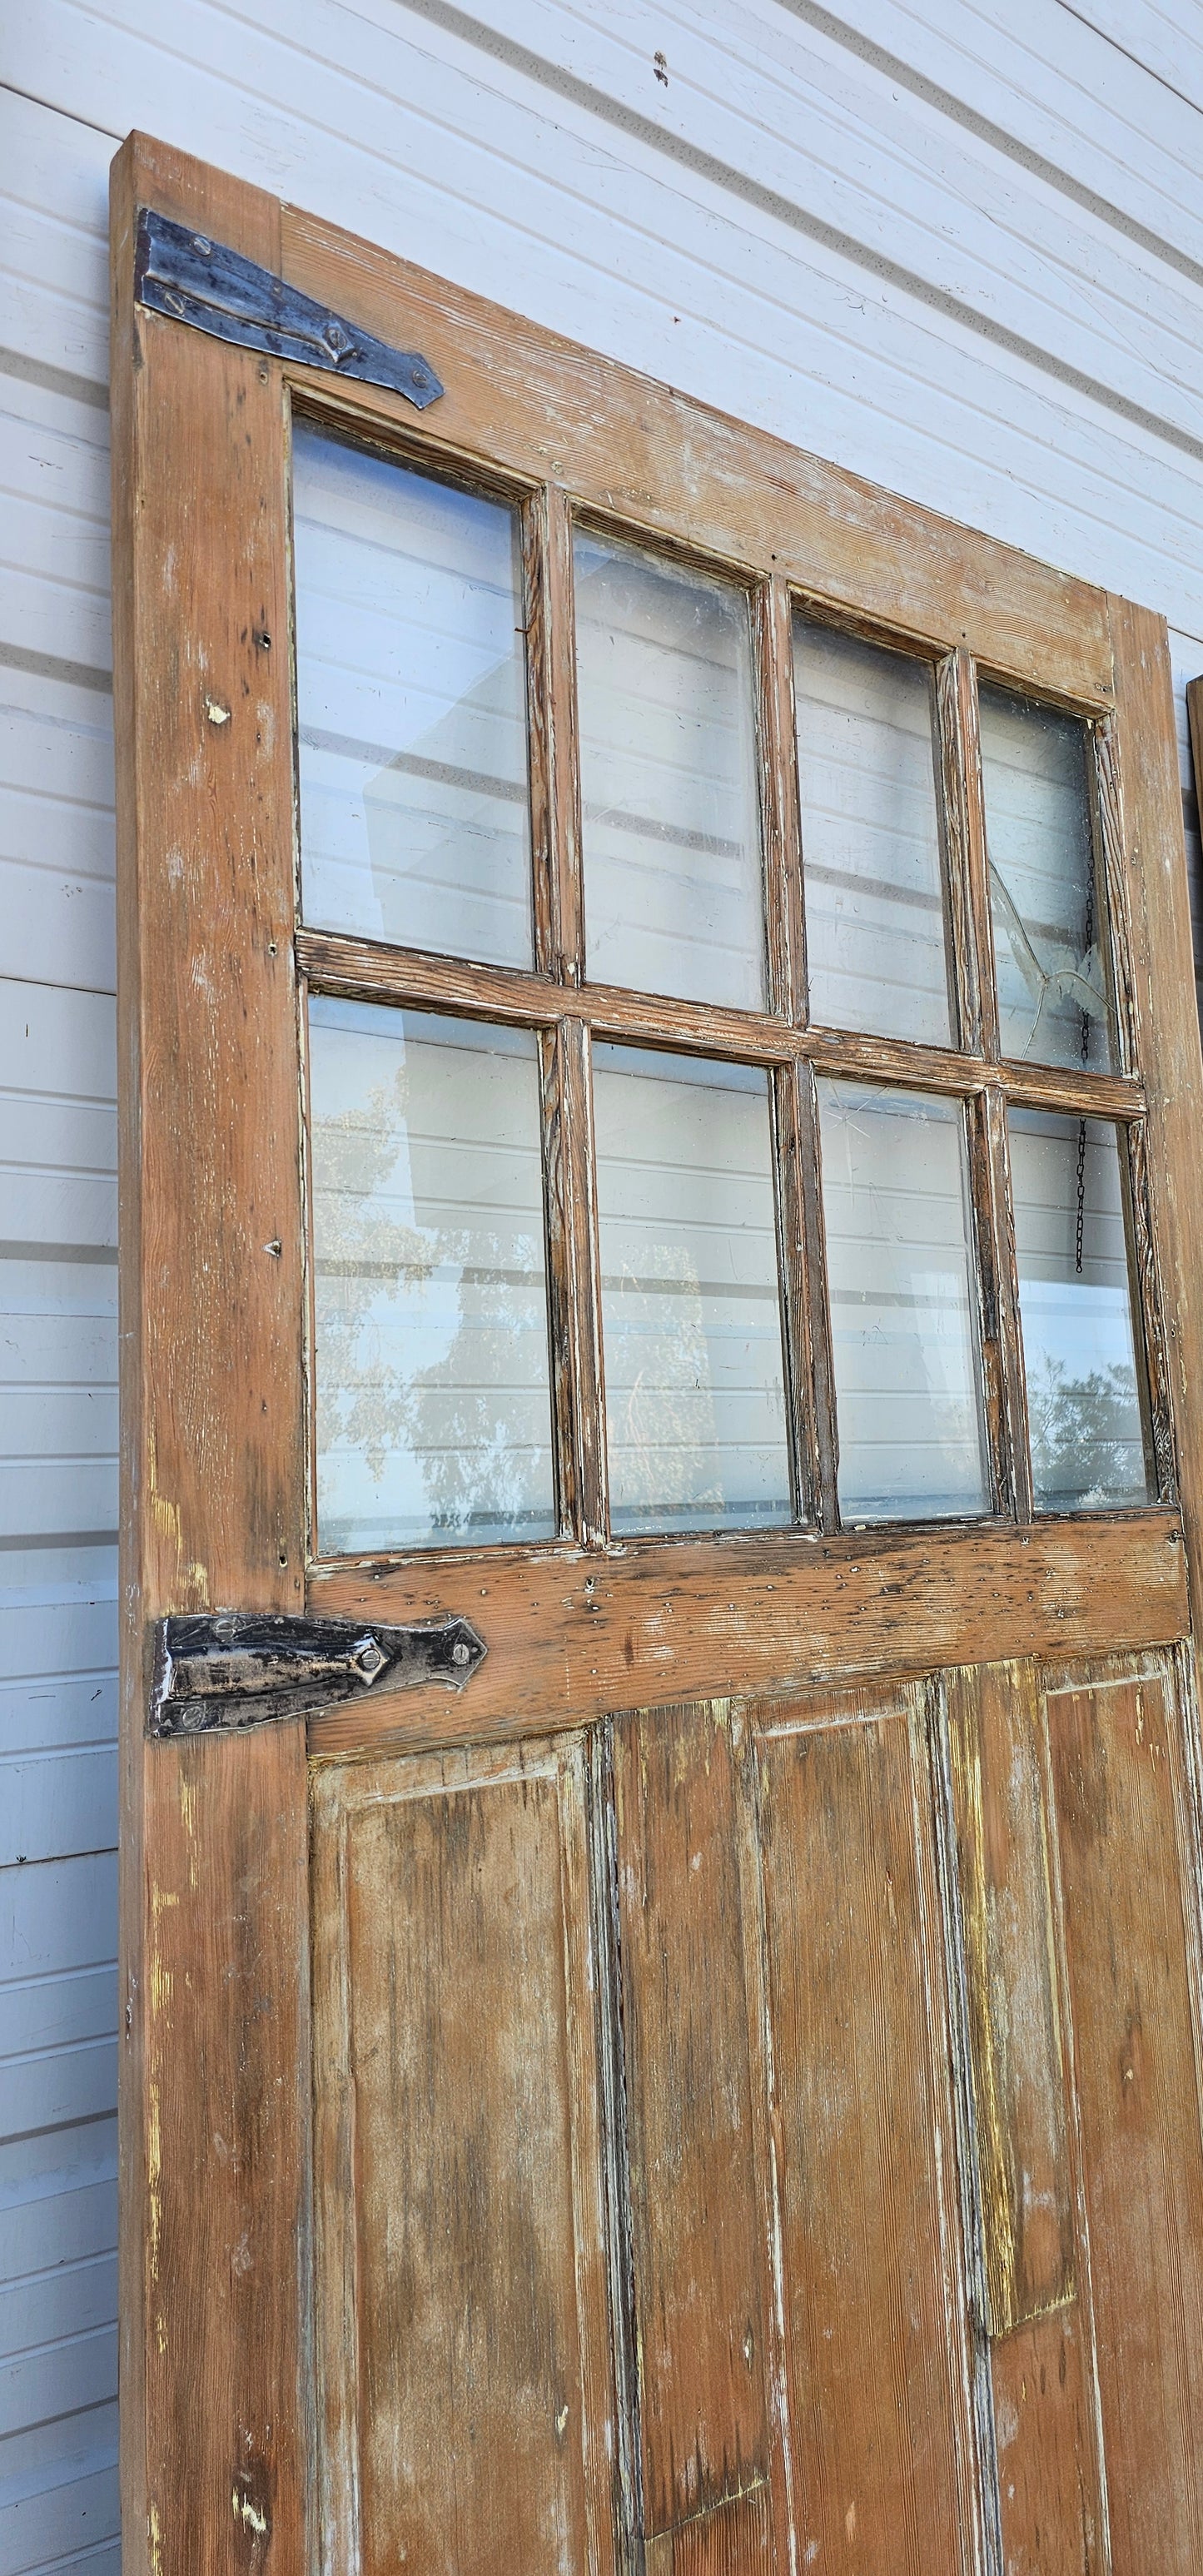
column 165, row 1515
column 248, row 2514
column 154, row 2174
column 154, row 2534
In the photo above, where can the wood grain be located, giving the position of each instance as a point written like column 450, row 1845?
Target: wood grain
column 554, row 767
column 773, row 667
column 460, row 2272
column 964, row 852
column 641, row 455
column 214, row 2086
column 1014, row 2015
column 1051, row 2515
column 1116, row 1770
column 367, row 968
column 1146, row 784
column 873, row 2299
column 698, row 2200
column 574, row 1287
column 572, row 1635
column 810, row 1376
column 730, row 2539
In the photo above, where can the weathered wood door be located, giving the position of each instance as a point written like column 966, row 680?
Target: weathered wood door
column 661, row 1101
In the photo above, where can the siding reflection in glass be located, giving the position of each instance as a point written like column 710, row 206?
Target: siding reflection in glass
column 411, row 707
column 1075, row 1302
column 671, row 819
column 430, row 1298
column 876, row 956
column 695, row 1391
column 896, row 1209
column 1045, row 893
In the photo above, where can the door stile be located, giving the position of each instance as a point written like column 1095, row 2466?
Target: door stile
column 1143, row 747
column 214, row 2111
column 1151, row 1310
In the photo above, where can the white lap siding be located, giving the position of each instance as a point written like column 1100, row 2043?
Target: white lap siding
column 957, row 247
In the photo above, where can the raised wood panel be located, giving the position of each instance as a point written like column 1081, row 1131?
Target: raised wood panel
column 685, row 1833
column 1016, row 2059
column 1116, row 1766
column 1050, row 2514
column 873, row 2299
column 460, row 2264
column 572, row 1636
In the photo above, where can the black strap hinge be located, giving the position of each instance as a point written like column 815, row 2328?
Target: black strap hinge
column 237, row 1668
column 192, row 279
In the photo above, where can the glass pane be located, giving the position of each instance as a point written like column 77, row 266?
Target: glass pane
column 671, row 817
column 899, row 1267
column 695, row 1390
column 1075, row 1302
column 1044, row 893
column 875, row 947
column 411, row 707
column 430, row 1298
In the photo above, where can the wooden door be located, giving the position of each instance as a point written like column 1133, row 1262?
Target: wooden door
column 661, row 1506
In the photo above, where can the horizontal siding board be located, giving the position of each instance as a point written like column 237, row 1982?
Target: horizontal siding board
column 80, row 2370
column 58, row 2012
column 58, row 2088
column 1057, row 89
column 57, row 1805
column 54, row 242
column 518, row 167
column 57, row 1709
column 1077, row 229
column 39, row 2530
column 58, row 1915
column 815, row 123
column 74, row 2299
column 55, row 2228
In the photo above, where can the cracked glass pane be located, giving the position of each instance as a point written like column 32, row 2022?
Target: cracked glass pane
column 1046, row 892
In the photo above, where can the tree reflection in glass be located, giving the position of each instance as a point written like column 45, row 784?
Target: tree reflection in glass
column 1075, row 1300
column 430, row 1296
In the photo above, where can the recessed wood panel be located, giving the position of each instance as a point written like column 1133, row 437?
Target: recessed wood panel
column 461, row 2308
column 1048, row 2489
column 1115, row 1764
column 1010, row 1975
column 699, row 2221
column 732, row 2539
column 873, row 2302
